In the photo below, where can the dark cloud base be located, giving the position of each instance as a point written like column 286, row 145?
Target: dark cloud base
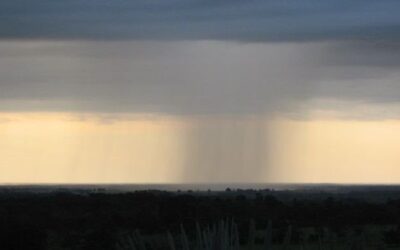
column 252, row 20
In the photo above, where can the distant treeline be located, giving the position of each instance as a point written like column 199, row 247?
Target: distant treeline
column 97, row 220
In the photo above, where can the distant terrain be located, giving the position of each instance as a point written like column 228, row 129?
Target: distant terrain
column 199, row 217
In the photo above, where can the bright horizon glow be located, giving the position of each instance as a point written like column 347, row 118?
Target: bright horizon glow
column 58, row 148
column 144, row 149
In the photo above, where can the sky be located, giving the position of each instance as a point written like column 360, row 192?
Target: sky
column 179, row 91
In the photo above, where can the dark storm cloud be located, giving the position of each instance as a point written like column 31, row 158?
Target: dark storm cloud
column 380, row 53
column 250, row 20
column 191, row 77
column 162, row 56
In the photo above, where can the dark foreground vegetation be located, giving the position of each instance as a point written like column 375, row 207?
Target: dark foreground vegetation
column 147, row 220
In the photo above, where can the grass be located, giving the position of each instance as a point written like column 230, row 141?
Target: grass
column 224, row 235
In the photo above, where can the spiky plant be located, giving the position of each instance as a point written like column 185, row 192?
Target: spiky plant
column 223, row 235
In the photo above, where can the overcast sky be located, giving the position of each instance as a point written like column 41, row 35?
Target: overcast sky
column 221, row 67
column 196, row 57
column 235, row 20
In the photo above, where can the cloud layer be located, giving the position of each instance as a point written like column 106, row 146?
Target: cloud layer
column 197, row 56
column 252, row 20
column 192, row 77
